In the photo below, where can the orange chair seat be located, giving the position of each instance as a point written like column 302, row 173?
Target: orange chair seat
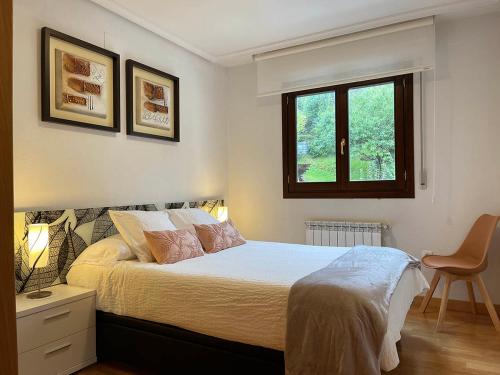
column 459, row 265
column 469, row 260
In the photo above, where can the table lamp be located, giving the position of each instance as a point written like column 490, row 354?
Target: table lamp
column 222, row 213
column 38, row 243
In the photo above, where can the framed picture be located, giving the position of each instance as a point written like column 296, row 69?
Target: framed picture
column 80, row 83
column 152, row 102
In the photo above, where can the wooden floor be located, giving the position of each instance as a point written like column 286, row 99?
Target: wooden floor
column 469, row 345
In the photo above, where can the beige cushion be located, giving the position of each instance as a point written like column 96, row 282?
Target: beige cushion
column 132, row 224
column 185, row 218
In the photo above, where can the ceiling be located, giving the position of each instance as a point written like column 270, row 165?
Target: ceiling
column 230, row 32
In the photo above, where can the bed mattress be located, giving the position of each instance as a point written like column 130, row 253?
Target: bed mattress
column 239, row 294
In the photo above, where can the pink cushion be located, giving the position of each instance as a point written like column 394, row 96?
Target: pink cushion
column 216, row 237
column 171, row 246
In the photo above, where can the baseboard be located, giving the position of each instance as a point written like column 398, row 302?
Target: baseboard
column 453, row 305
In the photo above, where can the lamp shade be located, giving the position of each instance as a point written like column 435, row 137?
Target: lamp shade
column 222, row 213
column 38, row 241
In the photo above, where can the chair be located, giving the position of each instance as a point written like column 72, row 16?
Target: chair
column 466, row 264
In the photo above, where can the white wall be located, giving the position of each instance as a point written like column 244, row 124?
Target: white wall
column 59, row 166
column 466, row 168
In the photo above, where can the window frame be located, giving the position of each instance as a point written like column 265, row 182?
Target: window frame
column 404, row 184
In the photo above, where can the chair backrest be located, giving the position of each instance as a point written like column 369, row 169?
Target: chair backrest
column 477, row 242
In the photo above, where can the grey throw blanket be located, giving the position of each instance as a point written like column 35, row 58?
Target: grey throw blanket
column 337, row 316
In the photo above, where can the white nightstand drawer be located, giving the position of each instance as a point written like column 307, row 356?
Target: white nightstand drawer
column 52, row 324
column 60, row 357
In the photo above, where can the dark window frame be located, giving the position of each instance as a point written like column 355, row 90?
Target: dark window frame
column 402, row 187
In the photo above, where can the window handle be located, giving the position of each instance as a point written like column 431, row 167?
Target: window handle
column 342, row 145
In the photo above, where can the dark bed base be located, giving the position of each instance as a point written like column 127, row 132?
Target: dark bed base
column 163, row 349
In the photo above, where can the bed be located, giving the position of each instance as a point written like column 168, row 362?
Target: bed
column 229, row 307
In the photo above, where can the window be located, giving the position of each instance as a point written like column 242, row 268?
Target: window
column 349, row 141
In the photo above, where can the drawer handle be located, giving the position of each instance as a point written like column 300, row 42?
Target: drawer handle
column 56, row 315
column 57, row 348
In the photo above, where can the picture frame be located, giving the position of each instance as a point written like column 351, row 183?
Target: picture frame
column 152, row 102
column 80, row 82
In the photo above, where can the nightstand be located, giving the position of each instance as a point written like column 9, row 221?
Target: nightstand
column 56, row 335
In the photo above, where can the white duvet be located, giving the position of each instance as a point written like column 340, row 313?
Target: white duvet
column 239, row 294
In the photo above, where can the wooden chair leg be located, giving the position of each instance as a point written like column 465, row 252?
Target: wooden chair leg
column 488, row 302
column 444, row 303
column 430, row 292
column 472, row 299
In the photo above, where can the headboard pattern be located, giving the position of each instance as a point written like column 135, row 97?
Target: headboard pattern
column 70, row 232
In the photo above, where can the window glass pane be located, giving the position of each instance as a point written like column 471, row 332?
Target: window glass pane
column 371, row 133
column 316, row 137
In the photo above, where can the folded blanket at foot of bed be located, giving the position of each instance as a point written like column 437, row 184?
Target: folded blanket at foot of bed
column 337, row 316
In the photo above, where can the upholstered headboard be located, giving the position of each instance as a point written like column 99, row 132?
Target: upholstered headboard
column 70, row 232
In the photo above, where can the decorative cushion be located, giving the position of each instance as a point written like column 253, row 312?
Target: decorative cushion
column 171, row 246
column 132, row 224
column 184, row 218
column 216, row 237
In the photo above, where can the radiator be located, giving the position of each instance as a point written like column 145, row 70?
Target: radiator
column 344, row 233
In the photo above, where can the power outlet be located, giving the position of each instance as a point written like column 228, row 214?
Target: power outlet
column 427, row 252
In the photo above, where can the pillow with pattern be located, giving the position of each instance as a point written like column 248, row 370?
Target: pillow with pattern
column 217, row 237
column 172, row 246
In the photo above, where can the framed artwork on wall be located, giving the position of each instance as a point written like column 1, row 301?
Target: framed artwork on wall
column 152, row 102
column 80, row 83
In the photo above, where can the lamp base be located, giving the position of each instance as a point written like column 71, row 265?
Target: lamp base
column 39, row 294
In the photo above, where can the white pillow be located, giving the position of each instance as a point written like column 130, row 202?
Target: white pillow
column 132, row 224
column 184, row 218
column 108, row 250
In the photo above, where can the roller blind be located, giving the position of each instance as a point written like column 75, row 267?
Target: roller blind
column 396, row 49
